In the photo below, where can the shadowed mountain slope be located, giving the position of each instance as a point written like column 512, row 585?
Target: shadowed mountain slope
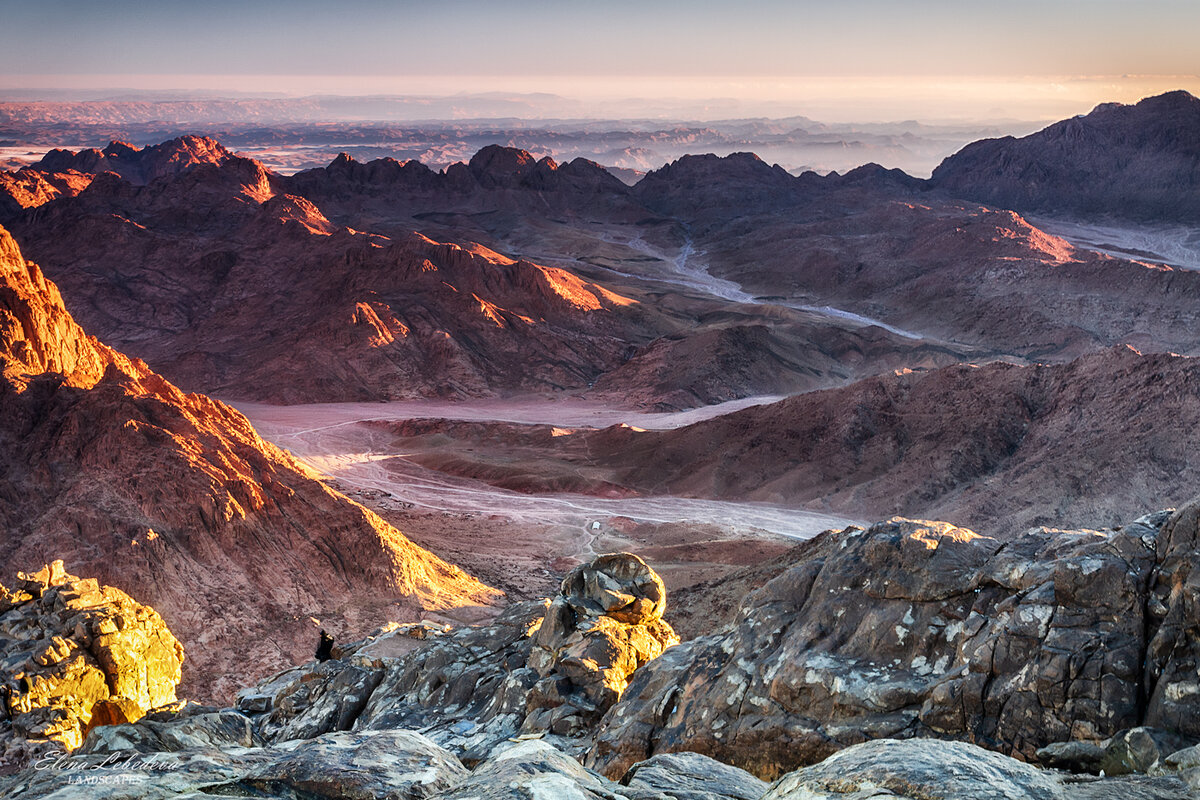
column 1139, row 162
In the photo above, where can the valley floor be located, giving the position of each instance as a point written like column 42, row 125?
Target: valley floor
column 520, row 541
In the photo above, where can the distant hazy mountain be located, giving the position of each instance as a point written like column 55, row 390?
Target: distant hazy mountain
column 1138, row 161
column 290, row 134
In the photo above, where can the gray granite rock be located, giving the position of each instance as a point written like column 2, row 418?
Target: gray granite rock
column 210, row 730
column 691, row 776
column 917, row 770
column 908, row 628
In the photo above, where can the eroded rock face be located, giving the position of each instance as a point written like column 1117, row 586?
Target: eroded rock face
column 465, row 688
column 74, row 654
column 908, row 628
column 175, row 499
column 366, row 316
column 1173, row 654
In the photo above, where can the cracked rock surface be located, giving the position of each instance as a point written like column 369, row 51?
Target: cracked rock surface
column 541, row 666
column 915, row 628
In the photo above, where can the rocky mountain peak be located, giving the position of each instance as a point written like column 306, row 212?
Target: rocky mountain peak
column 703, row 185
column 117, row 149
column 1170, row 101
column 501, row 161
column 287, row 208
column 190, row 150
column 37, row 335
column 496, row 166
column 878, row 175
column 139, row 166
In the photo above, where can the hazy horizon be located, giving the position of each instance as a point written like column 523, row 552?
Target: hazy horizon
column 863, row 60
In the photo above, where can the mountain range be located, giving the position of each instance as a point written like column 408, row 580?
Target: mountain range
column 947, row 357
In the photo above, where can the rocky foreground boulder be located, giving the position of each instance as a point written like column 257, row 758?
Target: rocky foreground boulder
column 74, row 655
column 922, row 629
column 402, row 764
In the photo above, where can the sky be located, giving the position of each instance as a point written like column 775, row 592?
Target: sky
column 871, row 58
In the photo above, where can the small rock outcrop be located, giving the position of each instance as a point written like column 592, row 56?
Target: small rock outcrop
column 1182, row 765
column 605, row 623
column 74, row 655
column 691, row 776
column 183, row 726
column 540, row 667
column 1133, row 751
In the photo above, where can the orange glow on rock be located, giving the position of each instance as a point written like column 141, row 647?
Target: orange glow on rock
column 579, row 293
column 933, row 534
column 490, row 310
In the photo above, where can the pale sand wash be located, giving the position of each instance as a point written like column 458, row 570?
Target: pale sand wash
column 332, row 439
column 1173, row 245
column 523, row 542
column 685, row 272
